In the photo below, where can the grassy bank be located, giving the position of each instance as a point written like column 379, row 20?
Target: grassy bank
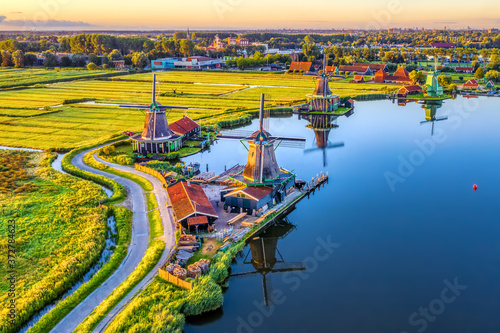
column 123, row 218
column 60, row 231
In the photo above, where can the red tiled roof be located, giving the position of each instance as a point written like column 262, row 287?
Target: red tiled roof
column 471, row 82
column 397, row 78
column 381, row 73
column 402, row 72
column 330, row 69
column 300, row 66
column 373, row 67
column 360, row 69
column 464, row 68
column 188, row 200
column 358, row 78
column 197, row 220
column 183, row 126
column 409, row 89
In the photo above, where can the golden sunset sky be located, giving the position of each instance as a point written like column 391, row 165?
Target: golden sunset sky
column 206, row 14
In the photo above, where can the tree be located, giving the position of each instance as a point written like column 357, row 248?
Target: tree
column 50, row 59
column 491, row 75
column 140, row 60
column 308, row 40
column 494, row 61
column 179, row 35
column 444, row 80
column 242, row 63
column 66, row 61
column 30, row 59
column 416, row 76
column 6, row 58
column 115, row 55
column 95, row 59
column 18, row 58
column 91, row 66
column 186, row 47
column 479, row 74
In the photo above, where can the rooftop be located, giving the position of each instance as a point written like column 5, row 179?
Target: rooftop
column 189, row 199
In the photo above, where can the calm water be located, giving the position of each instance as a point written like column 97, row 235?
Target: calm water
column 394, row 245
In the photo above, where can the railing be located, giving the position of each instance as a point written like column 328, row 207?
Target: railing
column 151, row 172
column 174, row 279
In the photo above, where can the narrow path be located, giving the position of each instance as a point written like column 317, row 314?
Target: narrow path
column 137, row 249
column 168, row 237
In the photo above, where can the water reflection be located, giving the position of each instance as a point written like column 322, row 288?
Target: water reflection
column 322, row 125
column 266, row 258
column 430, row 108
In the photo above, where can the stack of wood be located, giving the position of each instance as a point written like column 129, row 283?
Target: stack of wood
column 171, row 268
column 188, row 243
column 194, row 271
column 204, row 264
column 180, row 272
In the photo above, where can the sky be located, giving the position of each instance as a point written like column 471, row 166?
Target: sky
column 245, row 14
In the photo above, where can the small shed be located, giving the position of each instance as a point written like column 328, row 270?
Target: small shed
column 471, row 84
column 409, row 90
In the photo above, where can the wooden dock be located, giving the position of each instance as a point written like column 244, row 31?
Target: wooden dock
column 266, row 219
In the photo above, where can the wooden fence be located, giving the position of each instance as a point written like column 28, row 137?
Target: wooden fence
column 151, row 172
column 174, row 279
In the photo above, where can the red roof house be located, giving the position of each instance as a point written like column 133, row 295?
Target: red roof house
column 364, row 70
column 464, row 69
column 443, row 45
column 185, row 126
column 409, row 90
column 301, row 66
column 373, row 67
column 189, row 200
column 358, row 79
column 471, row 84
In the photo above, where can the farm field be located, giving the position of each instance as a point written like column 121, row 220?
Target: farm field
column 49, row 116
column 14, row 77
column 63, row 213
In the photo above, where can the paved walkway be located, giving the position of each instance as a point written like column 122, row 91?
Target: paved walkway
column 137, row 248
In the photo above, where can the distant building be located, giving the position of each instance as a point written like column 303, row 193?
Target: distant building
column 490, row 85
column 400, row 76
column 493, row 31
column 301, row 66
column 358, row 79
column 189, row 201
column 471, row 84
column 251, row 198
column 442, row 45
column 363, row 70
column 373, row 67
column 409, row 90
column 199, row 62
column 119, row 65
column 464, row 69
column 332, row 70
column 164, row 63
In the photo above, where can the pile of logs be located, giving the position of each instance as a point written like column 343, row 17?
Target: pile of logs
column 200, row 267
column 177, row 270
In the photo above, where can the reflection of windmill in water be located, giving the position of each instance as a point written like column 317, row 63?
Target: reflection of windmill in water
column 430, row 108
column 322, row 111
column 266, row 258
column 322, row 126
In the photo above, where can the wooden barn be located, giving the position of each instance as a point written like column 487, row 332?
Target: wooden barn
column 409, row 90
column 185, row 128
column 189, row 201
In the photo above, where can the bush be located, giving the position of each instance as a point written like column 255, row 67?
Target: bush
column 91, row 66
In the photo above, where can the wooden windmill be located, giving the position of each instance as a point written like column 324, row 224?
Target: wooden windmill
column 156, row 133
column 266, row 258
column 261, row 163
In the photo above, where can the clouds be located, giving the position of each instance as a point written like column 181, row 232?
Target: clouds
column 47, row 23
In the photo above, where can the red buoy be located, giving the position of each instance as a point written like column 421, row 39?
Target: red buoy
column 474, row 187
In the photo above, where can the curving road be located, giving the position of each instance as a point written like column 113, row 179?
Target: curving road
column 137, row 249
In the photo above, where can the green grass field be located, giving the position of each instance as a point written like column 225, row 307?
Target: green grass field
column 34, row 117
column 63, row 213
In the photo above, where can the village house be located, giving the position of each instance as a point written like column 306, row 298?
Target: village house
column 400, row 76
column 363, row 70
column 185, row 128
column 464, row 69
column 191, row 206
column 301, row 66
column 471, row 84
column 409, row 90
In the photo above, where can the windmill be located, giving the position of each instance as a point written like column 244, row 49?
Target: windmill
column 322, row 127
column 430, row 108
column 266, row 258
column 262, row 167
column 156, row 136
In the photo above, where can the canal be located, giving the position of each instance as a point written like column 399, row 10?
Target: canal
column 398, row 241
